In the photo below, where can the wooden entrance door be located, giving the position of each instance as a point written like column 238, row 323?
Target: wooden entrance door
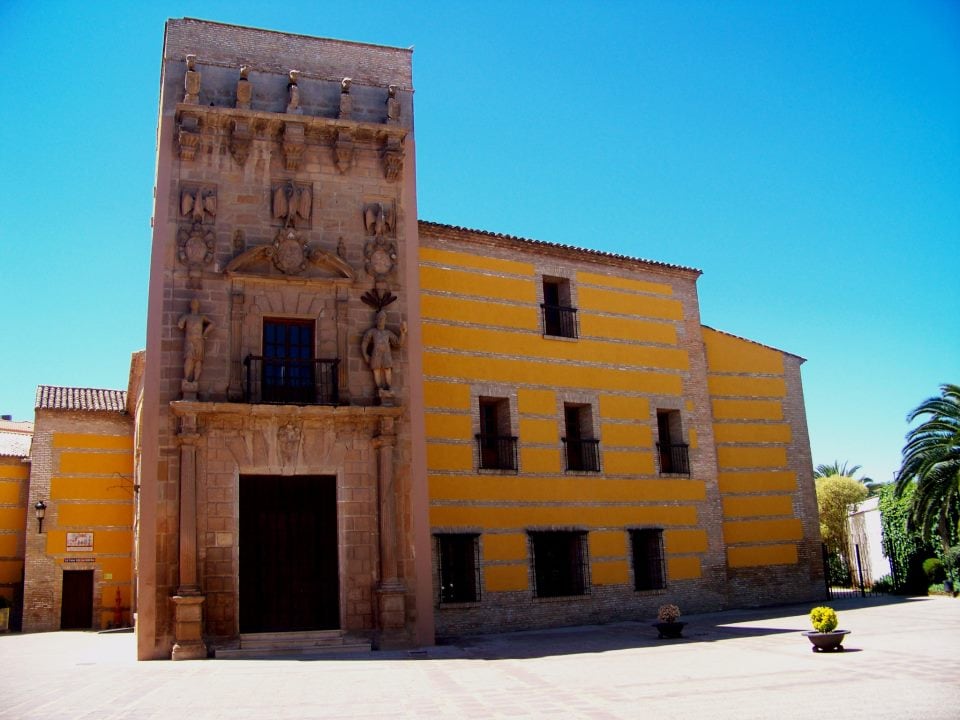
column 289, row 577
column 76, row 606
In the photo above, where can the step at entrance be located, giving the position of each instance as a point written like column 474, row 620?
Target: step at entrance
column 293, row 644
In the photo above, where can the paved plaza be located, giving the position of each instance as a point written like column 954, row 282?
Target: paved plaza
column 902, row 660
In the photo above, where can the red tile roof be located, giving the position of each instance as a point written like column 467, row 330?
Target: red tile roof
column 52, row 397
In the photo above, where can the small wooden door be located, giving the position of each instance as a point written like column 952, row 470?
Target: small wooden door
column 76, row 609
column 289, row 570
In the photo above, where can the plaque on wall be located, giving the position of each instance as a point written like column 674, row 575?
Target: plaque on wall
column 79, row 541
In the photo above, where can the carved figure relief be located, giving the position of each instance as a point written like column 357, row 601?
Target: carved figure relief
column 191, row 81
column 198, row 204
column 293, row 93
column 196, row 327
column 196, row 246
column 244, row 89
column 292, row 203
column 380, row 252
column 346, row 102
column 289, row 252
column 288, row 442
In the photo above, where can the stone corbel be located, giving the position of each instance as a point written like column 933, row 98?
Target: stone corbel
column 294, row 144
column 343, row 151
column 392, row 158
column 241, row 138
column 188, row 136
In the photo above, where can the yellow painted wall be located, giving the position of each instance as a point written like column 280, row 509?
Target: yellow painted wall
column 759, row 555
column 506, row 578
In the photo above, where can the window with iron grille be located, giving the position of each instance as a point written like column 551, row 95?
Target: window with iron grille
column 559, row 317
column 648, row 566
column 458, row 562
column 497, row 447
column 673, row 454
column 561, row 563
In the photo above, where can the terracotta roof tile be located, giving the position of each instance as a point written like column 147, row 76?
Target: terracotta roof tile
column 52, row 397
column 14, row 444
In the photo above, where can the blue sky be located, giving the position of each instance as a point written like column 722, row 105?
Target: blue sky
column 805, row 156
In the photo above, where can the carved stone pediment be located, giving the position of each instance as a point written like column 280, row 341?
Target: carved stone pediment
column 290, row 256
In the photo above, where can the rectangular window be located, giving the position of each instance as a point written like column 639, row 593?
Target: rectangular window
column 559, row 318
column 497, row 447
column 582, row 450
column 288, row 360
column 672, row 452
column 561, row 563
column 648, row 568
column 458, row 559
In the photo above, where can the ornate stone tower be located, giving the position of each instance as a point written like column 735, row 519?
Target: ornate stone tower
column 280, row 458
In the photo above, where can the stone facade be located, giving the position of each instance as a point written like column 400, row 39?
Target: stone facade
column 285, row 204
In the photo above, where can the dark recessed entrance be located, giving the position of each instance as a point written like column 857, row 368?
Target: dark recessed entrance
column 76, row 605
column 289, row 579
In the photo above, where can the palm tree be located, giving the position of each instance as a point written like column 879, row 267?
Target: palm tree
column 931, row 459
column 835, row 468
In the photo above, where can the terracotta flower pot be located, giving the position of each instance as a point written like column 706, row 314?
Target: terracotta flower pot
column 828, row 641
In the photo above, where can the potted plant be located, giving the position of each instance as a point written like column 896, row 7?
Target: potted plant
column 668, row 622
column 4, row 613
column 824, row 636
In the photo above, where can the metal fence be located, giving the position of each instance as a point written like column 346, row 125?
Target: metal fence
column 853, row 585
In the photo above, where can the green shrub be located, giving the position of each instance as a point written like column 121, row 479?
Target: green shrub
column 936, row 589
column 951, row 560
column 933, row 568
column 883, row 585
column 824, row 619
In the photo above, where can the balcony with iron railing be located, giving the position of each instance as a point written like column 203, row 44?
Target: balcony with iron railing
column 582, row 455
column 291, row 381
column 674, row 458
column 497, row 452
column 559, row 321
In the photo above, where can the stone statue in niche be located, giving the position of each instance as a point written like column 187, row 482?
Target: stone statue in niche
column 393, row 106
column 291, row 202
column 293, row 90
column 196, row 327
column 376, row 347
column 191, row 82
column 346, row 101
column 244, row 89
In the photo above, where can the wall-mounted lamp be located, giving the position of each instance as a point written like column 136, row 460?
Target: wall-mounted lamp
column 41, row 509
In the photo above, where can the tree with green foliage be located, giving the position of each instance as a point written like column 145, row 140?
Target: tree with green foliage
column 905, row 548
column 931, row 465
column 835, row 496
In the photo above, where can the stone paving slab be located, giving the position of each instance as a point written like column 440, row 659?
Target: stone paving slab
column 902, row 660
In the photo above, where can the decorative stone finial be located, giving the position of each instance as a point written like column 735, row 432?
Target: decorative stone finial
column 191, row 81
column 293, row 104
column 393, row 106
column 244, row 89
column 346, row 101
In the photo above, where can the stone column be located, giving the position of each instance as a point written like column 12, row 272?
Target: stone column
column 391, row 595
column 235, row 389
column 188, row 602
